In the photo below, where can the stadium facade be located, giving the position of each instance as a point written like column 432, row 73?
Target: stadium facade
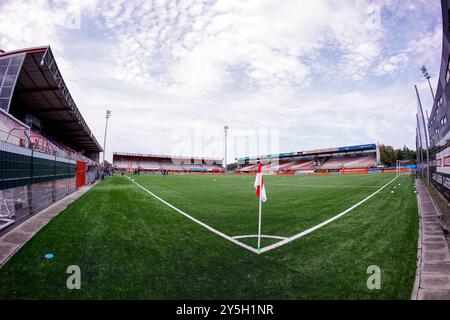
column 157, row 163
column 438, row 124
column 47, row 150
column 350, row 159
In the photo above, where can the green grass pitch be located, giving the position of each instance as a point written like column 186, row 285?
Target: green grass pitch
column 129, row 245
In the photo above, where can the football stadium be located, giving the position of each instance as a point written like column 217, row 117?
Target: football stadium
column 81, row 220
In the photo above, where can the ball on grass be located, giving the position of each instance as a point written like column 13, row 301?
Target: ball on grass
column 392, row 191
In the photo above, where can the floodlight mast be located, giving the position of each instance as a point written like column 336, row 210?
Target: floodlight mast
column 108, row 114
column 427, row 76
column 225, row 129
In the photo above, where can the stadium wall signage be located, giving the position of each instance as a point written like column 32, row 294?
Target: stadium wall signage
column 439, row 130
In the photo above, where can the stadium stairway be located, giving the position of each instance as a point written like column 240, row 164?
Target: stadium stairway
column 15, row 238
column 433, row 266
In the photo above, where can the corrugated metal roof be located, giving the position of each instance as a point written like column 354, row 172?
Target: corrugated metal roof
column 41, row 90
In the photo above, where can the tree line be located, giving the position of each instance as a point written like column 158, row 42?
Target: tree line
column 389, row 155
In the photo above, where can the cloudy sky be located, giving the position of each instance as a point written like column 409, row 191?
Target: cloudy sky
column 306, row 74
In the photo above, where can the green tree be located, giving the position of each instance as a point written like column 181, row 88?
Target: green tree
column 389, row 155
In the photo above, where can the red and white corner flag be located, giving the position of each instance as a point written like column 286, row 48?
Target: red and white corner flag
column 261, row 194
column 259, row 184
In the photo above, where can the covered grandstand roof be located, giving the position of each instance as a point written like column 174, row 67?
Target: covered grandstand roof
column 37, row 88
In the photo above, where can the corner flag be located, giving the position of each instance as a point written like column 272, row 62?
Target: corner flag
column 259, row 184
column 261, row 193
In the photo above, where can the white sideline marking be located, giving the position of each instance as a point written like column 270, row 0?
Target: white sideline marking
column 223, row 235
column 320, row 225
column 319, row 186
column 256, row 236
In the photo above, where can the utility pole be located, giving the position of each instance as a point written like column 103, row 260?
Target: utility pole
column 225, row 129
column 108, row 114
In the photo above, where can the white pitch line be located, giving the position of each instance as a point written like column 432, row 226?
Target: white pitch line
column 223, row 235
column 256, row 236
column 320, row 225
column 319, row 186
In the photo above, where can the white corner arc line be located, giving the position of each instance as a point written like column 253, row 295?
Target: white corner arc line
column 223, row 235
column 256, row 236
column 320, row 225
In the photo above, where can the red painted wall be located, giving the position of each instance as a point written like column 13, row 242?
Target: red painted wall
column 81, row 173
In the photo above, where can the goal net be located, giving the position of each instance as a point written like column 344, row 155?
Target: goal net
column 403, row 167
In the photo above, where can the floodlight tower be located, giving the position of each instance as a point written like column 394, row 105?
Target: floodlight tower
column 225, row 129
column 427, row 76
column 108, row 114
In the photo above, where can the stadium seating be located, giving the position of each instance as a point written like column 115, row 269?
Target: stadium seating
column 283, row 166
column 12, row 131
column 302, row 165
column 320, row 163
column 355, row 162
column 361, row 162
column 334, row 163
column 16, row 133
column 170, row 166
column 249, row 168
column 158, row 163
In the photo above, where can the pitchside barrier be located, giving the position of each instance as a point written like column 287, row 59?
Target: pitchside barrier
column 30, row 181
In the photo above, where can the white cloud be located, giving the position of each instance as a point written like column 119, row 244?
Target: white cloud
column 266, row 41
column 310, row 69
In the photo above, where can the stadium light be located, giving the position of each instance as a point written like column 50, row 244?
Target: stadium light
column 225, row 129
column 108, row 114
column 427, row 76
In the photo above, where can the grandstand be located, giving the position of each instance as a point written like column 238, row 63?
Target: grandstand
column 360, row 158
column 158, row 163
column 47, row 150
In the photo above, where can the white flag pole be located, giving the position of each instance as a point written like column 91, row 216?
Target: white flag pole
column 260, row 209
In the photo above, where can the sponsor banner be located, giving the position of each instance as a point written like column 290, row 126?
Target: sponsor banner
column 303, row 172
column 442, row 183
column 356, row 170
column 440, row 161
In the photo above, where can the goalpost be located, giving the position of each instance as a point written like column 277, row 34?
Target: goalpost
column 402, row 167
